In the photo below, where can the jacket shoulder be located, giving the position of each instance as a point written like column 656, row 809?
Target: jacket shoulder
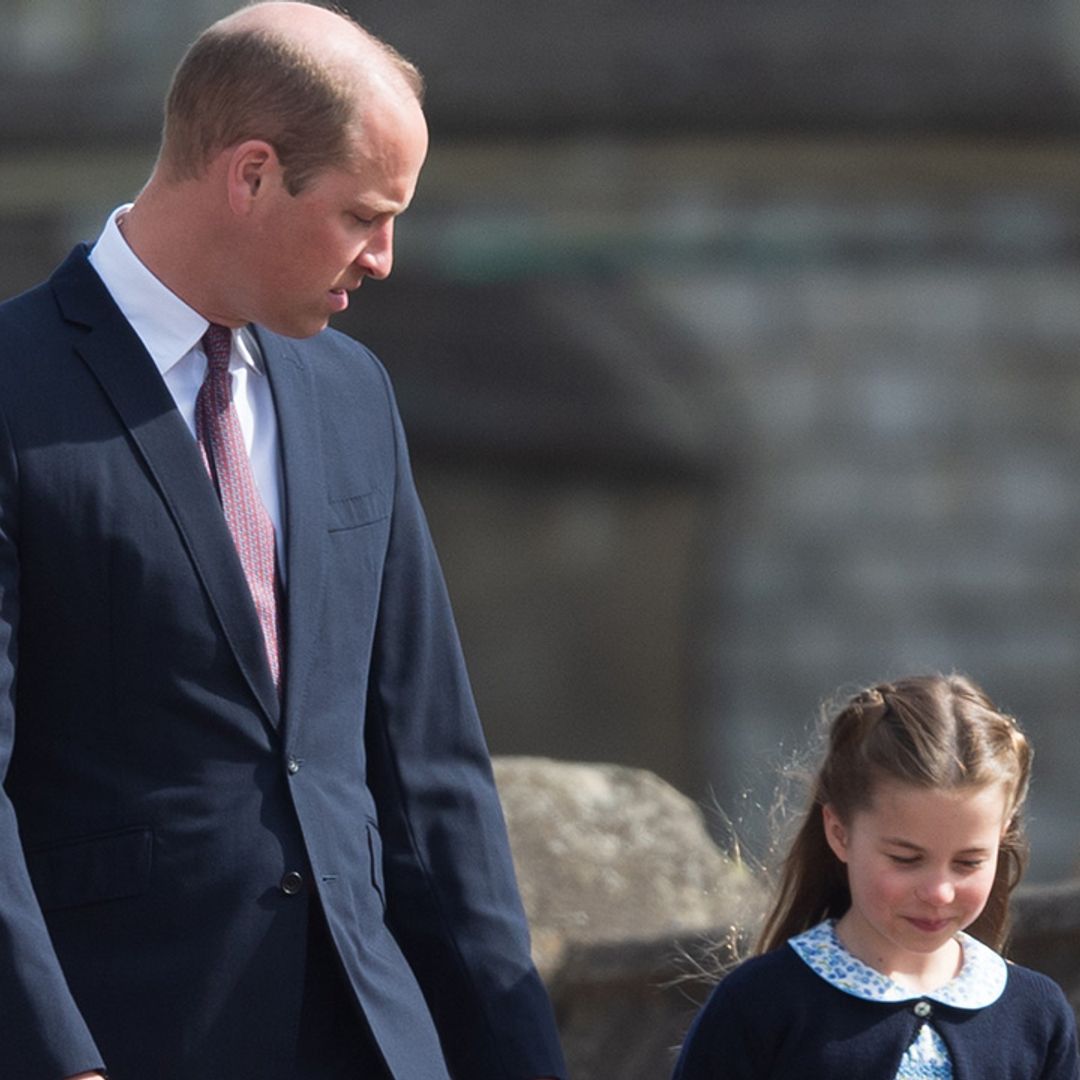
column 73, row 293
column 29, row 310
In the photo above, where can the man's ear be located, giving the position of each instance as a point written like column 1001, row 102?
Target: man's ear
column 836, row 832
column 250, row 167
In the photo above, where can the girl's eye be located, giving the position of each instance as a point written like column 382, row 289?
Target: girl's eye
column 904, row 860
column 971, row 864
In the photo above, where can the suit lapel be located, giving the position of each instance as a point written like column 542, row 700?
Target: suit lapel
column 305, row 508
column 129, row 378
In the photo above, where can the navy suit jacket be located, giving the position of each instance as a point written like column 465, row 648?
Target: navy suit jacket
column 156, row 793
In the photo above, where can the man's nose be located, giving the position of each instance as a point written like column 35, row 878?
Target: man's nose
column 377, row 257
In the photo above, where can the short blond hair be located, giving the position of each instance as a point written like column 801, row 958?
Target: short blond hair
column 235, row 84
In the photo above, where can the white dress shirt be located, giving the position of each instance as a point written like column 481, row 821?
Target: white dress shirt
column 172, row 333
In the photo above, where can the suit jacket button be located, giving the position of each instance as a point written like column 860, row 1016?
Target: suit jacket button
column 292, row 883
column 292, row 766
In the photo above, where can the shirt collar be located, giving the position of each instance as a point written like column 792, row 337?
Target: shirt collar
column 167, row 326
column 980, row 981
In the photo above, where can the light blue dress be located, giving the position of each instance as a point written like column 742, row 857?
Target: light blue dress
column 980, row 982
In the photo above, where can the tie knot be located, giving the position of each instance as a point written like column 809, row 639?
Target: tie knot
column 217, row 344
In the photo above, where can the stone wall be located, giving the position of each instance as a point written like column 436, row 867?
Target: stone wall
column 782, row 416
column 624, row 890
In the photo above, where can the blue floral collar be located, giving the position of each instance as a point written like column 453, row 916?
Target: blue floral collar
column 980, row 981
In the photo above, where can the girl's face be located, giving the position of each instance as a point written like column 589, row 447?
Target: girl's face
column 920, row 865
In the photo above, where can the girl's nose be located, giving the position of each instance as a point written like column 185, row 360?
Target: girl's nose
column 937, row 891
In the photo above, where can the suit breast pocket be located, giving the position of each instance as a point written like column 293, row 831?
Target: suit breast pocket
column 357, row 539
column 356, row 511
column 92, row 869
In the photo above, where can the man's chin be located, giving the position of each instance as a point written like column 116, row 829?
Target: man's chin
column 297, row 327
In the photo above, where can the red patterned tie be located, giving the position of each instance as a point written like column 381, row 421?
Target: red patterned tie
column 217, row 428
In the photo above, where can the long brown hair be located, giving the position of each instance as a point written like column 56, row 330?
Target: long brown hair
column 935, row 732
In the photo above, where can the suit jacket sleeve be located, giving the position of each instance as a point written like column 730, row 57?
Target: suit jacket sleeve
column 452, row 897
column 42, row 1033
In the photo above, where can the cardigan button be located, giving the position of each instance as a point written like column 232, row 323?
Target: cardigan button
column 923, row 1009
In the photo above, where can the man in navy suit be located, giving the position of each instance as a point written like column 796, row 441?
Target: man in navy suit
column 248, row 829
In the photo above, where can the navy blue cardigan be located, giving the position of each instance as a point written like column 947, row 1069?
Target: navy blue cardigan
column 772, row 1018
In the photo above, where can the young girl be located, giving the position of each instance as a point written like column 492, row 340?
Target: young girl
column 864, row 971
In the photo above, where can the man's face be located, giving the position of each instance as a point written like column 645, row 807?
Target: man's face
column 308, row 251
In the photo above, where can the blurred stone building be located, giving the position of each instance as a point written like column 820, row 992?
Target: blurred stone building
column 737, row 342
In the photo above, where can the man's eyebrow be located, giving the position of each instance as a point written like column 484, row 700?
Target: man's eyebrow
column 378, row 208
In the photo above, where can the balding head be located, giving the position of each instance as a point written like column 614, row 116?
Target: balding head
column 293, row 74
column 331, row 39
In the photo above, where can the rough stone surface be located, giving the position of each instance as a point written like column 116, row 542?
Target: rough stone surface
column 625, row 893
column 610, row 854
